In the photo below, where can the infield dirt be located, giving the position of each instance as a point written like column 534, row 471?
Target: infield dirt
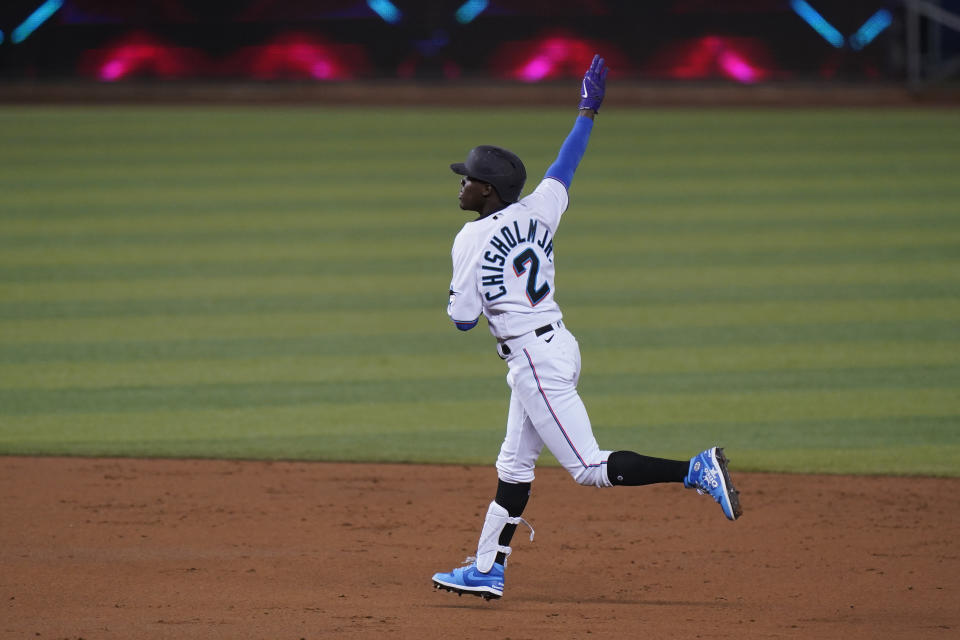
column 118, row 548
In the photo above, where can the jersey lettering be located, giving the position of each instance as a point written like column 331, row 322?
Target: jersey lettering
column 495, row 258
column 528, row 262
column 508, row 236
column 489, row 281
column 532, row 231
column 502, row 292
column 498, row 244
column 516, row 231
column 505, row 241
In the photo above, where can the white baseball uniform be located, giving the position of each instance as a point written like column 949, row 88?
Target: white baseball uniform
column 503, row 268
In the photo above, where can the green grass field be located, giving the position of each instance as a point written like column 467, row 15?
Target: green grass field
column 272, row 283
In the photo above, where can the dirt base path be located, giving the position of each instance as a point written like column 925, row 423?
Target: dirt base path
column 93, row 548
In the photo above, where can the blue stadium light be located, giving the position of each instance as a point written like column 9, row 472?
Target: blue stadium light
column 40, row 15
column 470, row 10
column 818, row 22
column 386, row 10
column 873, row 27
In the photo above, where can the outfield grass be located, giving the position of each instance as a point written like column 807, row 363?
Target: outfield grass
column 271, row 283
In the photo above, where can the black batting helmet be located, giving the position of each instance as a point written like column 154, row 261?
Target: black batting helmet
column 501, row 168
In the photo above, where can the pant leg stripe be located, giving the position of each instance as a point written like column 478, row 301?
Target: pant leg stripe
column 546, row 401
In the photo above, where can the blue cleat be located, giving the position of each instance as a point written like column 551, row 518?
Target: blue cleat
column 468, row 579
column 708, row 475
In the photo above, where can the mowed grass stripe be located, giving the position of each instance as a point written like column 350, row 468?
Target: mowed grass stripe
column 924, row 230
column 637, row 277
column 287, row 392
column 729, row 411
column 353, row 249
column 798, row 233
column 584, row 233
column 429, row 196
column 323, row 197
column 303, row 253
column 417, row 281
column 106, row 232
column 377, row 302
column 313, row 368
column 225, row 348
column 169, row 240
column 906, row 257
column 779, row 159
column 586, row 199
column 297, row 132
column 900, row 444
column 329, row 197
column 105, row 350
column 39, row 265
column 400, row 324
column 319, row 431
column 767, row 417
column 249, row 395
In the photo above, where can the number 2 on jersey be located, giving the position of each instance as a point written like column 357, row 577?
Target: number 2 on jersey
column 528, row 262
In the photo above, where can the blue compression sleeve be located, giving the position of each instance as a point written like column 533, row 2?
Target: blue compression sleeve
column 571, row 152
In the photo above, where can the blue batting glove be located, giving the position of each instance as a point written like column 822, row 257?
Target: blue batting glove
column 594, row 85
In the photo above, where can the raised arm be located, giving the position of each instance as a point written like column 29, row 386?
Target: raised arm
column 592, row 90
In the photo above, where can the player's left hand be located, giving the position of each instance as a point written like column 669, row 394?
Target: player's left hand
column 594, row 85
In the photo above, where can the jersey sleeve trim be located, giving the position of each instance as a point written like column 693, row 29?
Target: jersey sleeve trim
column 565, row 185
column 466, row 326
column 550, row 199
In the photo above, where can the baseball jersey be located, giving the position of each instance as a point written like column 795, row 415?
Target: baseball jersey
column 503, row 265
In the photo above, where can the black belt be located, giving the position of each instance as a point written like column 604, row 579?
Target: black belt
column 544, row 329
column 547, row 328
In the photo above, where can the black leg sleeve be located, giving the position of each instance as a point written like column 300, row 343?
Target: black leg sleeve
column 632, row 469
column 513, row 498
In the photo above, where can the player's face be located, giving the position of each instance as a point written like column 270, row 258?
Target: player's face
column 472, row 194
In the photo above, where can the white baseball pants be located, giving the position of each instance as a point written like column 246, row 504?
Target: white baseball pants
column 545, row 409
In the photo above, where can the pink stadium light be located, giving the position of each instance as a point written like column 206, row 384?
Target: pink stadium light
column 737, row 68
column 544, row 58
column 142, row 54
column 323, row 70
column 738, row 59
column 299, row 55
column 552, row 56
column 536, row 69
column 113, row 70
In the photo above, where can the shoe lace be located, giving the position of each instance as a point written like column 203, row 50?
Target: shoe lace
column 518, row 520
column 469, row 560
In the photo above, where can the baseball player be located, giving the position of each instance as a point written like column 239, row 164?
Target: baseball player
column 503, row 268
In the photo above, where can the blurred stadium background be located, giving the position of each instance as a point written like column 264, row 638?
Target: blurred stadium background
column 911, row 44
